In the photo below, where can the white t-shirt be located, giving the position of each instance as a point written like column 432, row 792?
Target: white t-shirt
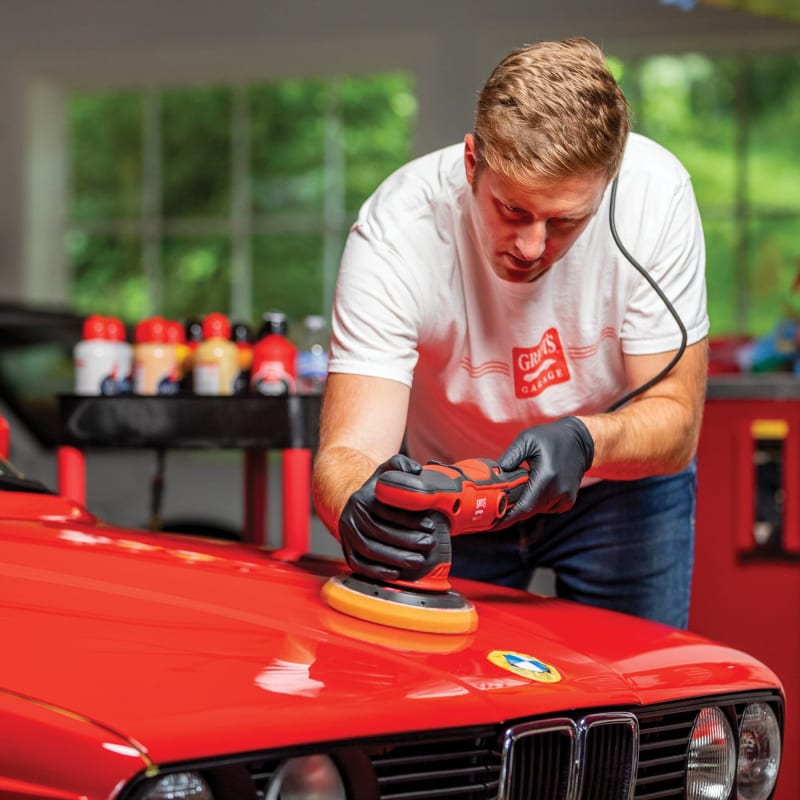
column 417, row 303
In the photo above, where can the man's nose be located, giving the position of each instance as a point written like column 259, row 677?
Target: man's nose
column 531, row 240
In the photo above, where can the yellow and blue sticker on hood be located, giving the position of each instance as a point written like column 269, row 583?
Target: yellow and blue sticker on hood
column 525, row 666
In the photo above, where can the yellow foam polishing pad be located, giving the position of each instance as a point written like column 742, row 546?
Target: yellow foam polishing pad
column 396, row 607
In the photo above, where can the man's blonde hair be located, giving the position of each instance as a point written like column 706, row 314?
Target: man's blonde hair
column 549, row 111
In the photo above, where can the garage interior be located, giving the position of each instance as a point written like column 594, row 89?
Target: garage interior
column 746, row 589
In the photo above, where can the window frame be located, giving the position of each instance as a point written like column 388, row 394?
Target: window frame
column 45, row 84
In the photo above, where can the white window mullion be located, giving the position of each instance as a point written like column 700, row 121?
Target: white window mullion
column 46, row 276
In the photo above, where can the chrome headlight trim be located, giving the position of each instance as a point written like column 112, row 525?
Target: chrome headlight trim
column 711, row 758
column 759, row 757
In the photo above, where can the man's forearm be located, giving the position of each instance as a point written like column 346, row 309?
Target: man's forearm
column 338, row 472
column 655, row 436
column 657, row 433
column 362, row 424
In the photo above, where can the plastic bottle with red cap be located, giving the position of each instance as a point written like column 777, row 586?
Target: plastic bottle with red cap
column 216, row 360
column 94, row 358
column 312, row 355
column 155, row 361
column 274, row 369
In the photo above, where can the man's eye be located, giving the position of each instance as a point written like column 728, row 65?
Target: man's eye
column 563, row 222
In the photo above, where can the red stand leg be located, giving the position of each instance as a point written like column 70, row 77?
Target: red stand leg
column 5, row 438
column 72, row 474
column 296, row 504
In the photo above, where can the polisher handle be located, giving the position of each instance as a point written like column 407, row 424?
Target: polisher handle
column 474, row 494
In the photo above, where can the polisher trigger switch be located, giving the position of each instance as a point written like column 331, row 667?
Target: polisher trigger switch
column 502, row 505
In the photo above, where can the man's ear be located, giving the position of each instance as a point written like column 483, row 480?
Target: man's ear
column 470, row 157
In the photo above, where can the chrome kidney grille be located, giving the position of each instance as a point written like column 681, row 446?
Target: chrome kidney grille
column 593, row 758
column 616, row 754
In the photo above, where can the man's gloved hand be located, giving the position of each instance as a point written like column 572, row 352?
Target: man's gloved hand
column 387, row 543
column 558, row 454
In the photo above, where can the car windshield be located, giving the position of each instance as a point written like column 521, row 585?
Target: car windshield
column 12, row 480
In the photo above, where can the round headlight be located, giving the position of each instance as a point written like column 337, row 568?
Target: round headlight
column 307, row 778
column 179, row 786
column 759, row 752
column 712, row 757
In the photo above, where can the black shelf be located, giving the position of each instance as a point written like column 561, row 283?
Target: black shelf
column 191, row 421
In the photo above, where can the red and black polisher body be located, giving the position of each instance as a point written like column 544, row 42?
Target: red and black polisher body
column 472, row 496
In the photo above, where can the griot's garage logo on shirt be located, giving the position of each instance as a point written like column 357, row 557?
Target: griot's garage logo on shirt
column 540, row 366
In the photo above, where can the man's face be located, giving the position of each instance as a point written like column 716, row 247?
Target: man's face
column 525, row 230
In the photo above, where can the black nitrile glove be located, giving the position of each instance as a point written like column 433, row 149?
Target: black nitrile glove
column 387, row 543
column 558, row 454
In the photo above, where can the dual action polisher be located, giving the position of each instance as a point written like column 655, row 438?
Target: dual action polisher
column 473, row 495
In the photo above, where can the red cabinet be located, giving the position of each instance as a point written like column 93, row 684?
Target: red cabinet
column 746, row 589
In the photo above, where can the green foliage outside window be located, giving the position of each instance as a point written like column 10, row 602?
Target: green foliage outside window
column 174, row 191
column 178, row 197
column 733, row 121
column 106, row 149
column 195, row 128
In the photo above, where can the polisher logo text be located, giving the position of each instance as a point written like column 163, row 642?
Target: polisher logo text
column 536, row 368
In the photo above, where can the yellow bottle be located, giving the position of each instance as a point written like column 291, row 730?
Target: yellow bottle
column 155, row 369
column 216, row 360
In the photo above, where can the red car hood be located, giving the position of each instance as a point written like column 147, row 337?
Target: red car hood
column 191, row 647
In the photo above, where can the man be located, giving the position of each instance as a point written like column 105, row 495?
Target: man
column 484, row 309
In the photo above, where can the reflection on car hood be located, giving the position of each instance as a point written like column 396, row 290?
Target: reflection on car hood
column 194, row 647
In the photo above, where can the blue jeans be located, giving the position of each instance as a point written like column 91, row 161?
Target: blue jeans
column 625, row 545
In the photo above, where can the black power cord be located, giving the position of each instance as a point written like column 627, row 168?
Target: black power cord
column 664, row 299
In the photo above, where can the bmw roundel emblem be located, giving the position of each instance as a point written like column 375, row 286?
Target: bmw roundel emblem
column 525, row 666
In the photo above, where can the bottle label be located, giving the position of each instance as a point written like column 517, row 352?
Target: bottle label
column 95, row 369
column 169, row 384
column 272, row 378
column 206, row 377
column 155, row 372
column 211, row 378
column 123, row 385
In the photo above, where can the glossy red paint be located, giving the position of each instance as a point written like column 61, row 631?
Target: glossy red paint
column 48, row 752
column 185, row 647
